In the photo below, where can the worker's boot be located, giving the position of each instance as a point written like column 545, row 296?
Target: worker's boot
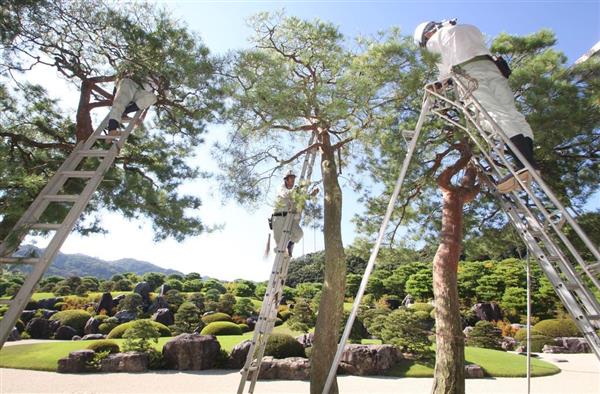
column 525, row 147
column 112, row 127
column 290, row 248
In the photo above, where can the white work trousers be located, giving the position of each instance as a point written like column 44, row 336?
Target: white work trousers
column 128, row 91
column 278, row 226
column 497, row 98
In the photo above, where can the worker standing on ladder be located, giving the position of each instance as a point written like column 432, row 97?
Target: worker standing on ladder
column 462, row 48
column 289, row 201
column 129, row 96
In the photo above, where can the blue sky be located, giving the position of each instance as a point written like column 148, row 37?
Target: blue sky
column 236, row 251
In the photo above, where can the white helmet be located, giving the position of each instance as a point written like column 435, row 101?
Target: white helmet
column 290, row 172
column 420, row 31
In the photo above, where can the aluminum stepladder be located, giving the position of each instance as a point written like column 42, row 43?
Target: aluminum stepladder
column 268, row 311
column 30, row 220
column 541, row 225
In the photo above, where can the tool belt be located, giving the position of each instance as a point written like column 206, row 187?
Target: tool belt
column 499, row 61
column 270, row 220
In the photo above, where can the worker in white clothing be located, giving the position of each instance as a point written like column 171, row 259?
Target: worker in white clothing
column 463, row 47
column 289, row 201
column 129, row 96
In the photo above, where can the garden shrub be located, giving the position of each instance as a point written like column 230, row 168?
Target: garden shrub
column 187, row 318
column 555, row 328
column 104, row 345
column 75, row 318
column 404, row 329
column 358, row 331
column 283, row 345
column 221, row 328
column 485, row 335
column 422, row 306
column 119, row 330
column 107, row 324
column 139, row 338
column 222, row 360
column 521, row 334
column 285, row 315
column 218, row 316
column 538, row 342
column 20, row 325
column 278, row 322
column 303, row 318
column 244, row 327
column 60, row 306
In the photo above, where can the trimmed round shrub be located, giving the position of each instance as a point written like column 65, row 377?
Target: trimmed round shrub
column 422, row 306
column 283, row 345
column 485, row 335
column 221, row 328
column 285, row 314
column 59, row 306
column 244, row 327
column 555, row 328
column 107, row 324
column 119, row 330
column 75, row 318
column 538, row 342
column 278, row 322
column 104, row 345
column 521, row 334
column 219, row 316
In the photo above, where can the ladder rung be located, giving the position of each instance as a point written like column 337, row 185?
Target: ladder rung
column 62, row 197
column 19, row 260
column 46, row 226
column 593, row 317
column 78, row 174
column 572, row 286
column 553, row 258
column 94, row 153
column 594, row 267
column 108, row 137
column 4, row 301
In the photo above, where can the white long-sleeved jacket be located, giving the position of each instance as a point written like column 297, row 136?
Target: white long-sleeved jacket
column 456, row 44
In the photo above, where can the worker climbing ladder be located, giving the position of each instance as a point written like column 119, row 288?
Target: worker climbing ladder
column 268, row 312
column 538, row 216
column 76, row 166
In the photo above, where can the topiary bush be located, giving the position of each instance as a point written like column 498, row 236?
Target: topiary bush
column 119, row 330
column 244, row 327
column 218, row 316
column 221, row 328
column 555, row 328
column 521, row 334
column 284, row 345
column 107, row 324
column 75, row 318
column 422, row 306
column 538, row 342
column 485, row 335
column 104, row 345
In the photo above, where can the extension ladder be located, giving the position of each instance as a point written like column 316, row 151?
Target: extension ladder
column 532, row 209
column 32, row 218
column 268, row 311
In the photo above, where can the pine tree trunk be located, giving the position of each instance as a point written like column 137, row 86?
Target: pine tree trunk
column 449, row 354
column 332, row 296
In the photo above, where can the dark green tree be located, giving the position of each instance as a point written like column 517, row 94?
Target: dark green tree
column 187, row 318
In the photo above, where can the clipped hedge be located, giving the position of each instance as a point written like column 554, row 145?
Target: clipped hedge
column 521, row 334
column 244, row 327
column 422, row 306
column 538, row 342
column 555, row 328
column 221, row 328
column 119, row 330
column 75, row 318
column 104, row 345
column 284, row 345
column 219, row 316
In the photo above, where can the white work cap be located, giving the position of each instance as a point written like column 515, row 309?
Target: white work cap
column 420, row 31
column 289, row 173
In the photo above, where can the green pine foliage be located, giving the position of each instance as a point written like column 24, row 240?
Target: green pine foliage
column 75, row 318
column 485, row 335
column 221, row 328
column 218, row 316
column 187, row 318
column 555, row 328
column 119, row 330
column 283, row 346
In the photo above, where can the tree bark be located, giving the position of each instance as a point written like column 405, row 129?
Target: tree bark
column 449, row 373
column 83, row 119
column 332, row 296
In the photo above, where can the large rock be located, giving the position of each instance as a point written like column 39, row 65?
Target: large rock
column 125, row 362
column 159, row 303
column 251, row 322
column 65, row 333
column 27, row 315
column 76, row 362
column 38, row 328
column 369, row 359
column 191, row 352
column 554, row 349
column 508, row 343
column 14, row 335
column 49, row 303
column 291, row 368
column 47, row 313
column 91, row 326
column 239, row 353
column 306, row 340
column 574, row 344
column 90, row 337
column 118, row 299
column 143, row 289
column 473, row 371
column 125, row 316
column 488, row 311
column 392, row 303
column 164, row 316
column 106, row 302
column 163, row 289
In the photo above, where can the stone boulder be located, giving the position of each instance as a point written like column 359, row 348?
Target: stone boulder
column 473, row 371
column 38, row 328
column 106, row 302
column 508, row 343
column 118, row 299
column 65, row 333
column 76, row 362
column 54, row 325
column 143, row 289
column 191, row 352
column 554, row 349
column 164, row 316
column 50, row 303
column 27, row 315
column 392, row 303
column 125, row 362
column 158, row 303
column 574, row 344
column 369, row 359
column 76, row 338
column 239, row 353
column 306, row 340
column 163, row 289
column 467, row 330
column 487, row 311
column 90, row 337
column 291, row 368
column 125, row 316
column 92, row 326
column 14, row 335
column 47, row 313
column 251, row 322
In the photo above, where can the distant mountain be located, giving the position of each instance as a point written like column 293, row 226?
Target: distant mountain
column 82, row 265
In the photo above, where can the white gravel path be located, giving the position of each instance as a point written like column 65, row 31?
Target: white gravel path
column 580, row 375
